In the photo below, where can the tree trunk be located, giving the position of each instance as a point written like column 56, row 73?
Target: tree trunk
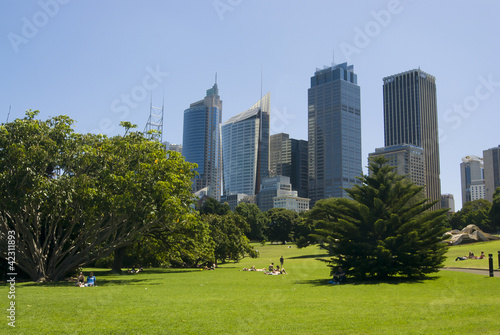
column 119, row 254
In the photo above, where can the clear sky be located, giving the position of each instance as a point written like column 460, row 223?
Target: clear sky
column 100, row 62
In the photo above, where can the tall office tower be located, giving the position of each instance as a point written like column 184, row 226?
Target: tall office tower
column 447, row 201
column 334, row 130
column 472, row 175
column 245, row 149
column 491, row 171
column 410, row 117
column 202, row 142
column 408, row 160
column 288, row 157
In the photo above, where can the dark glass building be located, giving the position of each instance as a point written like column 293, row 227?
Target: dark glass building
column 334, row 128
column 288, row 157
column 410, row 117
column 202, row 142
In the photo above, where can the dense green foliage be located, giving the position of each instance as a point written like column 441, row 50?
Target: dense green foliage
column 72, row 198
column 283, row 224
column 385, row 229
column 257, row 221
column 494, row 214
column 475, row 212
column 228, row 234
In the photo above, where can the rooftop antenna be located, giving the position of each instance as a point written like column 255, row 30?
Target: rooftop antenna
column 8, row 114
column 215, row 78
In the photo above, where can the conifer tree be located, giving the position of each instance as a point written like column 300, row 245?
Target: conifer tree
column 385, row 229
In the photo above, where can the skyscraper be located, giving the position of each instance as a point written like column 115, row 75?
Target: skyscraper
column 408, row 160
column 245, row 149
column 491, row 171
column 288, row 157
column 334, row 129
column 472, row 176
column 202, row 142
column 410, row 117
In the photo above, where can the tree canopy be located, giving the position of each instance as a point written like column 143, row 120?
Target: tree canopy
column 73, row 198
column 476, row 212
column 385, row 229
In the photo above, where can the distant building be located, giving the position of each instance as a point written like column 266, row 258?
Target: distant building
column 491, row 159
column 233, row 200
column 288, row 157
column 334, row 132
column 279, row 187
column 173, row 147
column 448, row 201
column 472, row 179
column 408, row 160
column 245, row 149
column 202, row 142
column 292, row 203
column 410, row 117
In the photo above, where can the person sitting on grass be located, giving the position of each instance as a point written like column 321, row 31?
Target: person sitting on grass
column 283, row 271
column 339, row 276
column 91, row 280
column 80, row 280
column 482, row 256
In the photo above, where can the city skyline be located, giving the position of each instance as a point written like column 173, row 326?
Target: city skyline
column 102, row 63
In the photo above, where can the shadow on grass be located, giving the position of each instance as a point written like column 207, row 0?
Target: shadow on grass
column 309, row 256
column 351, row 281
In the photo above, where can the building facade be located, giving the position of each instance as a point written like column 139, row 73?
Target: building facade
column 288, row 157
column 491, row 159
column 202, row 142
column 334, row 132
column 448, row 201
column 410, row 117
column 472, row 179
column 245, row 149
column 408, row 160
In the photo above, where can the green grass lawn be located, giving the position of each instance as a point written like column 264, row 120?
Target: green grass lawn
column 492, row 247
column 230, row 301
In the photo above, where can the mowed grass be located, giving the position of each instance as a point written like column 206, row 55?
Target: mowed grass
column 492, row 247
column 231, row 301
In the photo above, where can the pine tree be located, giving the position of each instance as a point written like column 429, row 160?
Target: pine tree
column 385, row 229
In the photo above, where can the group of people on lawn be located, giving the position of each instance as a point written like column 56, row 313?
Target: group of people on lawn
column 90, row 280
column 271, row 270
column 471, row 256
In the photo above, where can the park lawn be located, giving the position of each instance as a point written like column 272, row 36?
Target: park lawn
column 231, row 301
column 491, row 247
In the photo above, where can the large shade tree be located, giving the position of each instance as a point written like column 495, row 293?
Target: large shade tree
column 385, row 229
column 476, row 212
column 71, row 198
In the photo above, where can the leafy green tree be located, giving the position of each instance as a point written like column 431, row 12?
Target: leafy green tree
column 228, row 235
column 283, row 223
column 476, row 212
column 212, row 206
column 257, row 221
column 385, row 229
column 494, row 214
column 71, row 198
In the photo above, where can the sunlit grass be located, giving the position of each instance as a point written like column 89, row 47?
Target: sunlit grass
column 231, row 301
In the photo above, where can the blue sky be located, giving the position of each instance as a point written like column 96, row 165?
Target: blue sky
column 100, row 61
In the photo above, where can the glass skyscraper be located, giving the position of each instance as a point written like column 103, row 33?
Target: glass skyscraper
column 334, row 128
column 202, row 142
column 245, row 148
column 410, row 117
